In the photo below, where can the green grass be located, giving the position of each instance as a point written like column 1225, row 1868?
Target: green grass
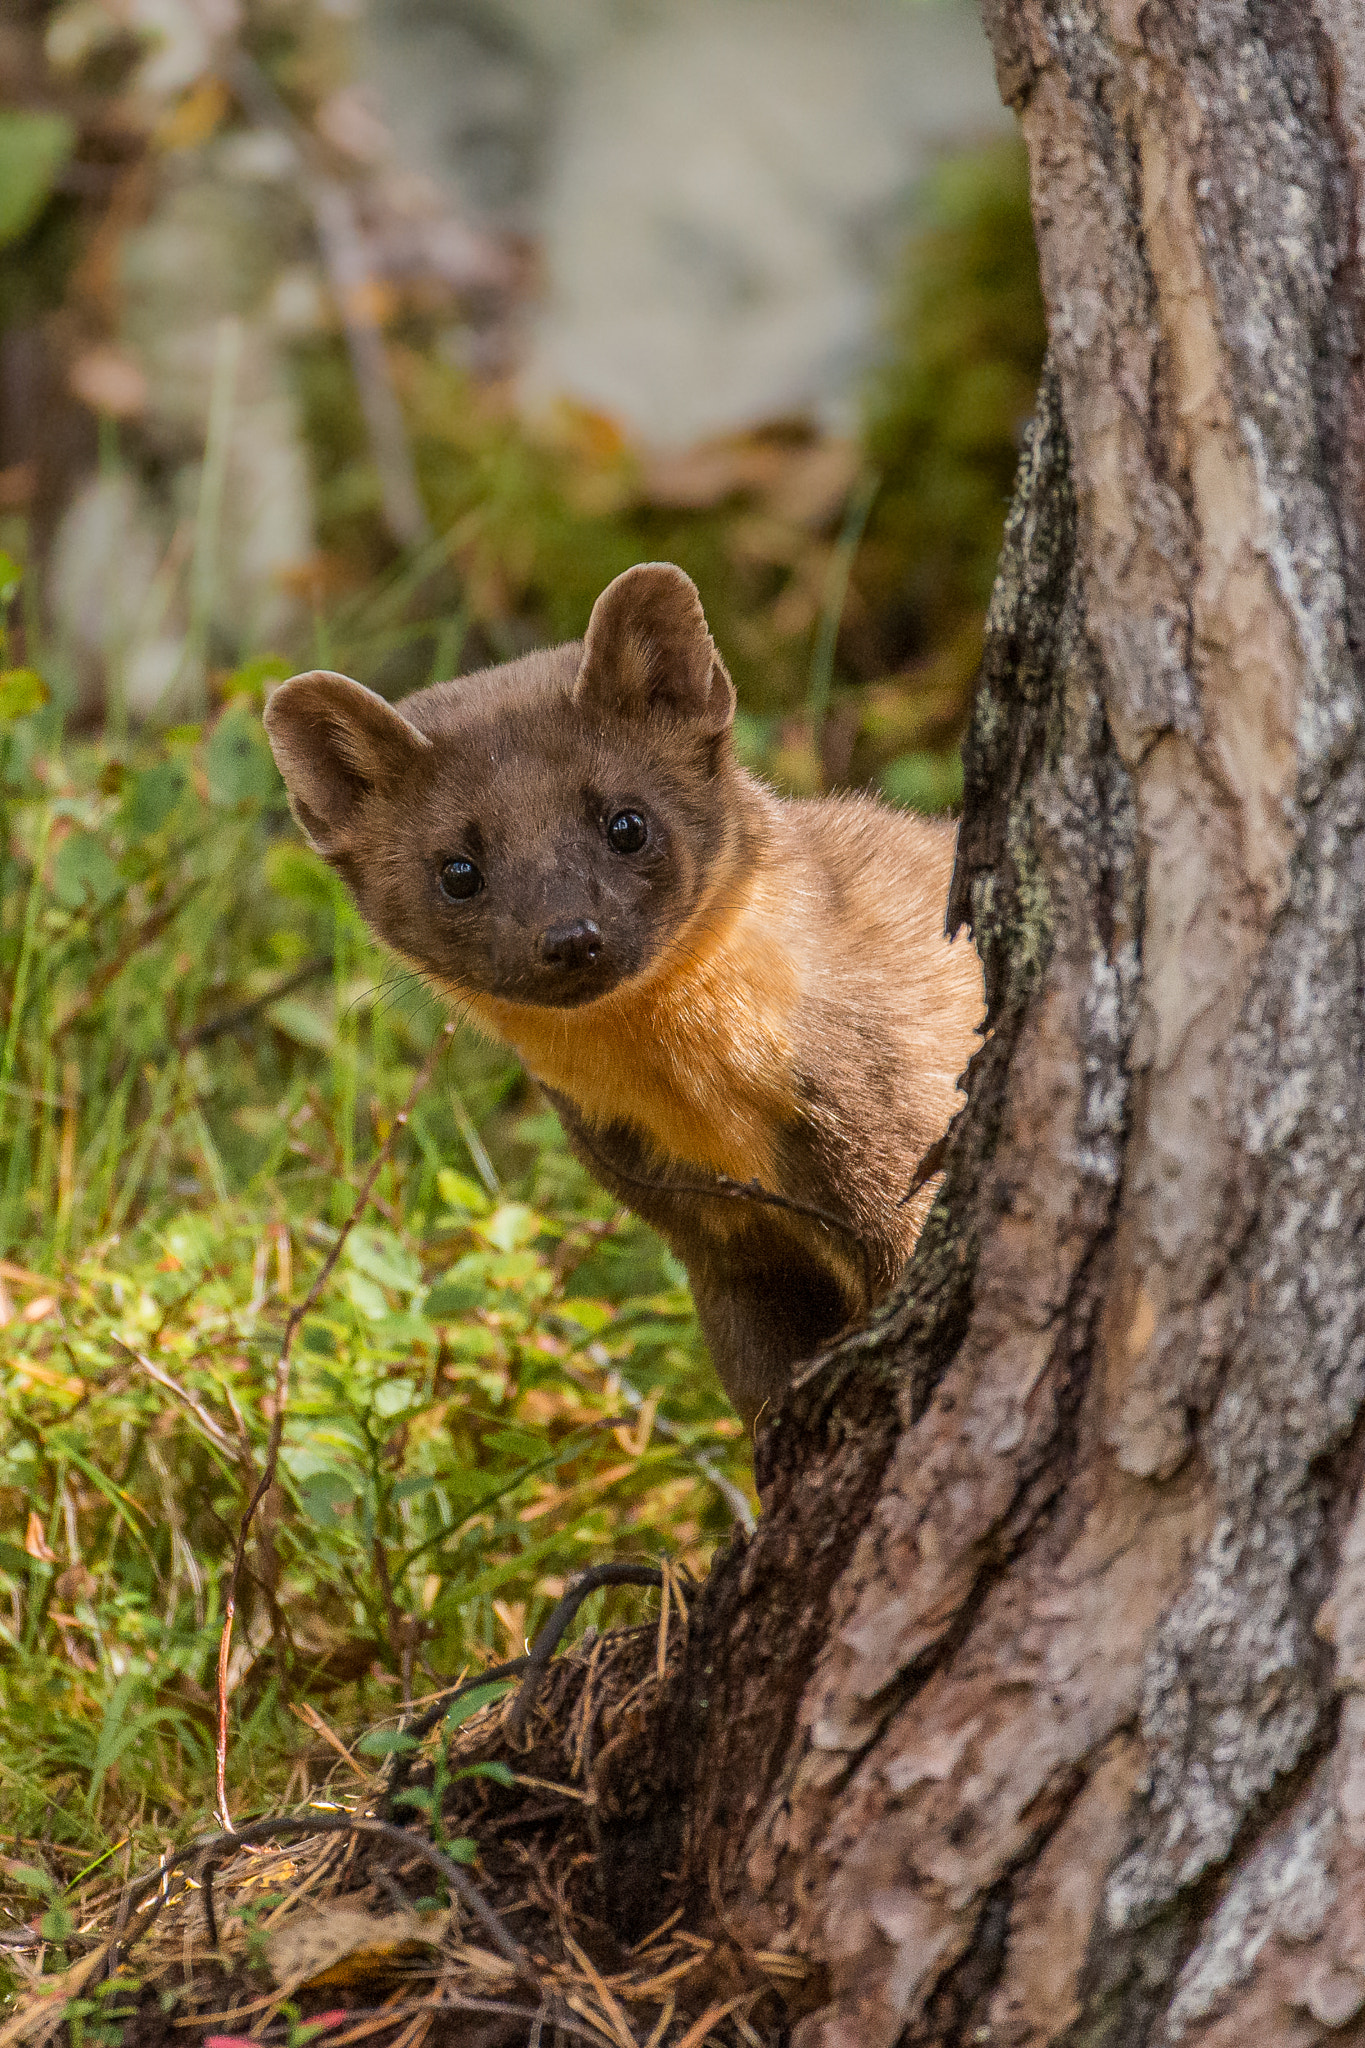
column 202, row 1051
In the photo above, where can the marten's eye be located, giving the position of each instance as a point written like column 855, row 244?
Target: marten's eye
column 627, row 832
column 460, row 879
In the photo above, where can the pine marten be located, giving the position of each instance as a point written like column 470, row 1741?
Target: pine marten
column 715, row 986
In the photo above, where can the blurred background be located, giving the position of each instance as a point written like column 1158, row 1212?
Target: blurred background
column 390, row 330
column 379, row 335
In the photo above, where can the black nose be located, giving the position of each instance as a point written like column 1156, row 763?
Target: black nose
column 571, row 945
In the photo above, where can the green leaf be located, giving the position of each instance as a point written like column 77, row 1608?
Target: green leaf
column 151, row 796
column 303, row 876
column 33, row 148
column 11, row 576
column 384, row 1258
column 519, row 1269
column 251, row 678
column 30, row 1878
column 464, row 1710
column 452, row 1298
column 241, row 767
column 472, row 1340
column 57, row 1924
column 515, row 1443
column 414, row 1795
column 21, row 689
column 591, row 1316
column 386, row 1742
column 366, row 1295
column 83, row 874
column 461, row 1192
column 305, row 1025
column 511, row 1225
column 328, row 1496
column 395, row 1397
column 501, row 1774
column 464, row 1849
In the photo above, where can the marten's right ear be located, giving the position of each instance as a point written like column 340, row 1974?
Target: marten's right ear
column 647, row 648
column 334, row 743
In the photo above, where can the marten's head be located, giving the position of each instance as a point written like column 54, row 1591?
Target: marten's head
column 539, row 832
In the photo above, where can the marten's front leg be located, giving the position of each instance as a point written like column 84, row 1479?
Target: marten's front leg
column 769, row 1286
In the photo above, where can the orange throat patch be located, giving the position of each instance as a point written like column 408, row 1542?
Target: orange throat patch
column 696, row 1053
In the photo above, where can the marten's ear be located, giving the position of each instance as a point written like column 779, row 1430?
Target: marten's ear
column 334, row 743
column 647, row 647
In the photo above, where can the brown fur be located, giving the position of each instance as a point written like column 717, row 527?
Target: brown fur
column 769, row 997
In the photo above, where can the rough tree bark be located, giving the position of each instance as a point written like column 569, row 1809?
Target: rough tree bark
column 1035, row 1711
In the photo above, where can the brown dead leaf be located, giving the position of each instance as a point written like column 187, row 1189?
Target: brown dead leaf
column 512, row 1615
column 36, row 1543
column 316, row 580
column 346, row 1946
column 698, row 478
column 556, row 1496
column 812, row 485
column 64, row 1382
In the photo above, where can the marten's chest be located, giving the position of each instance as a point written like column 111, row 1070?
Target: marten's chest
column 700, row 1057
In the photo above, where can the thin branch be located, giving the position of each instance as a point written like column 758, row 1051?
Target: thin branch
column 547, row 1642
column 281, row 1401
column 218, row 1848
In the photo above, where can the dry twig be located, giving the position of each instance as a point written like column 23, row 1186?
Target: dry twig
column 214, row 1851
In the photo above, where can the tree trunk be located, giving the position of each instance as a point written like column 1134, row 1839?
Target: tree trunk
column 1035, row 1711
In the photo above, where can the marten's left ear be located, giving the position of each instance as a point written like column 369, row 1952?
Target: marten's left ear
column 647, row 648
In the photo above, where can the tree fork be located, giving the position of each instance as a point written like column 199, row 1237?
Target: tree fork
column 1035, row 1710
